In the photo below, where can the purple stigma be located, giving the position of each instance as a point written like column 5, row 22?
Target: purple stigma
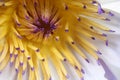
column 65, row 59
column 78, row 19
column 93, row 38
column 17, row 48
column 87, row 60
column 21, row 63
column 111, row 31
column 27, row 17
column 18, row 24
column 107, row 19
column 11, row 55
column 37, row 50
column 91, row 27
column 66, row 30
column 104, row 34
column 98, row 62
column 28, row 58
column 100, row 10
column 15, row 55
column 82, row 70
column 22, row 51
column 73, row 42
column 16, row 70
column 111, row 14
column 35, row 4
column 94, row 2
column 106, row 42
column 66, row 7
column 32, row 68
column 98, row 52
column 76, row 67
column 43, row 59
column 84, row 7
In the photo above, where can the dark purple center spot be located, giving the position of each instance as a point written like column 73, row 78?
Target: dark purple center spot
column 44, row 26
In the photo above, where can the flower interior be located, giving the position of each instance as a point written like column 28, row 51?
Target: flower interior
column 36, row 31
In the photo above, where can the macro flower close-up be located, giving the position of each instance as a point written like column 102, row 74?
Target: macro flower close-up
column 59, row 40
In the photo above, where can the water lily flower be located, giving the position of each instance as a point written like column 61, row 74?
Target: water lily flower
column 59, row 40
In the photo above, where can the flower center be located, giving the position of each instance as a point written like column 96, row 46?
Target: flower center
column 44, row 26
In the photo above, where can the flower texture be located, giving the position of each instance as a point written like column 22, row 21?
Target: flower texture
column 32, row 32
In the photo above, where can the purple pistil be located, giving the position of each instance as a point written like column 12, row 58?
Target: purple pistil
column 28, row 58
column 100, row 10
column 66, row 7
column 22, row 51
column 107, row 19
column 66, row 30
column 18, row 24
column 84, row 7
column 93, row 38
column 27, row 17
column 32, row 68
column 87, row 60
column 91, row 27
column 82, row 70
column 35, row 4
column 111, row 14
column 21, row 63
column 98, row 52
column 15, row 55
column 65, row 59
column 73, row 42
column 11, row 55
column 104, row 34
column 43, row 60
column 37, row 50
column 98, row 62
column 78, row 19
column 106, row 42
column 111, row 31
column 17, row 48
column 94, row 2
column 16, row 70
column 76, row 67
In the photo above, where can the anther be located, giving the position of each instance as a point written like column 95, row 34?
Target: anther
column 111, row 14
column 66, row 7
column 73, row 42
column 93, row 38
column 32, row 68
column 82, row 70
column 29, row 58
column 106, row 42
column 104, row 34
column 78, row 19
column 100, row 10
column 84, row 6
column 87, row 60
